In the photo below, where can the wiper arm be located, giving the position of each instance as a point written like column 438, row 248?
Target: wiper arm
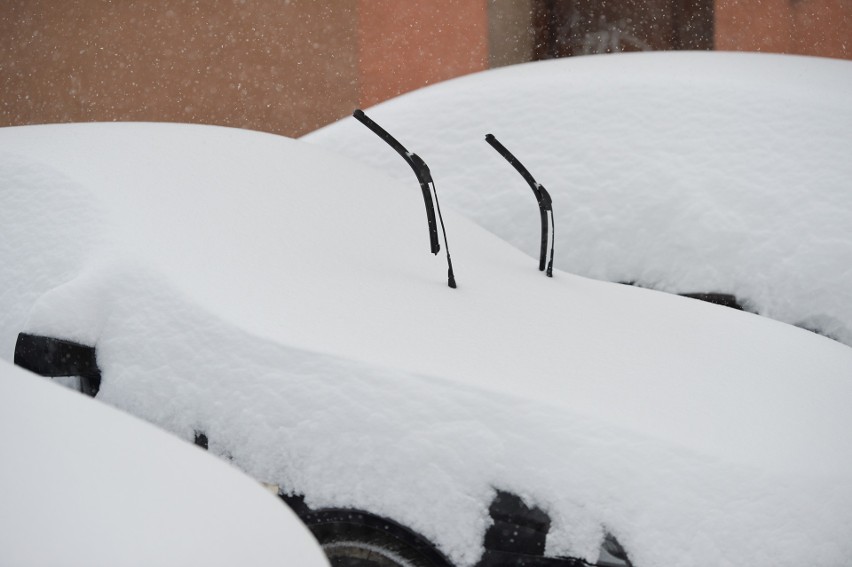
column 545, row 203
column 424, row 177
column 421, row 170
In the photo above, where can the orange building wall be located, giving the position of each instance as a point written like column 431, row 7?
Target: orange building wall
column 290, row 67
column 405, row 45
column 803, row 27
column 284, row 67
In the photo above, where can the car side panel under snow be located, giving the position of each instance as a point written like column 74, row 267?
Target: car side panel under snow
column 516, row 537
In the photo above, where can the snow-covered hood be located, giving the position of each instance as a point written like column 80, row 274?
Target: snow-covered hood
column 283, row 299
column 685, row 172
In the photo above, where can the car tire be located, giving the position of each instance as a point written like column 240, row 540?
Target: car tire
column 348, row 545
column 355, row 538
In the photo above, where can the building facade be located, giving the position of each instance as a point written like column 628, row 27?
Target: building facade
column 290, row 66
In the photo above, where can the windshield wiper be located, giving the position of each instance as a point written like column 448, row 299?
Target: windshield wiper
column 424, row 177
column 545, row 203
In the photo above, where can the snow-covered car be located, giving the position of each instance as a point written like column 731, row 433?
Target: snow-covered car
column 278, row 303
column 84, row 484
column 705, row 173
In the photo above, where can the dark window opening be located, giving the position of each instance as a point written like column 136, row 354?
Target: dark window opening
column 564, row 28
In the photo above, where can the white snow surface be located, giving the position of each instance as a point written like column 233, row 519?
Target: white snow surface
column 84, row 484
column 684, row 172
column 282, row 299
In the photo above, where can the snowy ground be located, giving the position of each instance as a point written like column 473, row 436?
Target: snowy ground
column 685, row 172
column 83, row 484
column 282, row 299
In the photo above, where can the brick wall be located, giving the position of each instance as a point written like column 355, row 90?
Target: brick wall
column 804, row 27
column 290, row 66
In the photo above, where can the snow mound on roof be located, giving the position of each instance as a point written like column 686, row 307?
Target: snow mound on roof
column 276, row 297
column 48, row 232
column 685, row 172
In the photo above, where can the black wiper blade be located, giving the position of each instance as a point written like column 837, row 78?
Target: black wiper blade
column 421, row 170
column 424, row 177
column 545, row 203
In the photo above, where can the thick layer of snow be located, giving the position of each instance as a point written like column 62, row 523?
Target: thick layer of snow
column 83, row 484
column 685, row 172
column 283, row 300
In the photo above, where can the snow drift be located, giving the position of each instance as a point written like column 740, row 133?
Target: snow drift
column 83, row 484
